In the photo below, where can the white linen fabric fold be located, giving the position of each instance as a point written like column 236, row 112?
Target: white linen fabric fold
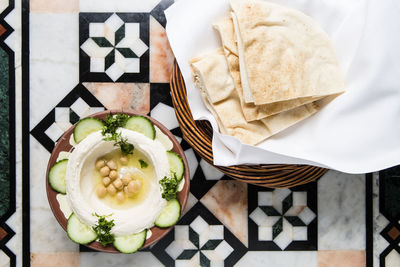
column 359, row 131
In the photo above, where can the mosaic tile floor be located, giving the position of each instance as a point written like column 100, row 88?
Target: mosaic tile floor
column 78, row 57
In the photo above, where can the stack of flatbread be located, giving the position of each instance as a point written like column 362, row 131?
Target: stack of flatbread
column 275, row 68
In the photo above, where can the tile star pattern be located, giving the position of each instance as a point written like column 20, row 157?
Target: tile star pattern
column 199, row 239
column 114, row 47
column 282, row 219
column 282, row 216
column 199, row 243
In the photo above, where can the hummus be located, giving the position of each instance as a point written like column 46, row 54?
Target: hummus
column 129, row 218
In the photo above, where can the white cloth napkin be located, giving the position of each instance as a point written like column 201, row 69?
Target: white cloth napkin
column 356, row 133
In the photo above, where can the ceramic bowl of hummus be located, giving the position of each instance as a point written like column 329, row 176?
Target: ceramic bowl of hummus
column 117, row 189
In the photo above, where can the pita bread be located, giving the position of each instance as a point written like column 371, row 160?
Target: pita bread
column 251, row 111
column 283, row 54
column 212, row 78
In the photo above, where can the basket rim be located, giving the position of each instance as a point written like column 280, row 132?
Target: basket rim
column 197, row 134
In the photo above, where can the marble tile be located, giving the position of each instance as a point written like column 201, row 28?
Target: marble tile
column 126, row 96
column 178, row 138
column 15, row 223
column 139, row 259
column 282, row 219
column 192, row 161
column 4, row 259
column 279, row 259
column 46, row 233
column 261, row 219
column 54, row 62
column 340, row 258
column 115, row 47
column 199, row 243
column 341, row 212
column 2, row 30
column 161, row 56
column 3, row 5
column 209, row 171
column 166, row 115
column 191, row 201
column 54, row 6
column 392, row 259
column 117, row 6
column 54, row 132
column 60, row 259
column 286, row 236
column 227, row 200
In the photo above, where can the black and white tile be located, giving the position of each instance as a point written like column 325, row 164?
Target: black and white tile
column 283, row 219
column 114, row 47
column 79, row 103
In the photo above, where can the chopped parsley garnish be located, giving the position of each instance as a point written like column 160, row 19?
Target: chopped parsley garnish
column 143, row 164
column 112, row 123
column 169, row 186
column 103, row 229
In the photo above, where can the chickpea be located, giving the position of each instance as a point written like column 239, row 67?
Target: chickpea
column 100, row 164
column 118, row 184
column 124, row 160
column 101, row 191
column 126, row 179
column 134, row 186
column 120, row 197
column 106, row 181
column 127, row 192
column 113, row 174
column 111, row 190
column 104, row 171
column 112, row 164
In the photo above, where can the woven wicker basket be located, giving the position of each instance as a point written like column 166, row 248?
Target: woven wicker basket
column 199, row 135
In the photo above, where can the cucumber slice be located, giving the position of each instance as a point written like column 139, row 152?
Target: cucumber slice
column 163, row 139
column 130, row 243
column 170, row 215
column 57, row 176
column 85, row 127
column 176, row 164
column 142, row 125
column 79, row 232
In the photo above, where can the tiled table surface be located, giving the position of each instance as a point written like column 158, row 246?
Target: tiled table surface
column 91, row 55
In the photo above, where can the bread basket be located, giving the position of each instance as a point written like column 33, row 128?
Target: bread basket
column 199, row 135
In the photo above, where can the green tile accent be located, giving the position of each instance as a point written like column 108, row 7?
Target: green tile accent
column 127, row 53
column 4, row 134
column 120, row 34
column 211, row 244
column 193, row 237
column 287, row 203
column 102, row 42
column 204, row 261
column 73, row 117
column 277, row 228
column 295, row 221
column 187, row 254
column 110, row 59
column 270, row 211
